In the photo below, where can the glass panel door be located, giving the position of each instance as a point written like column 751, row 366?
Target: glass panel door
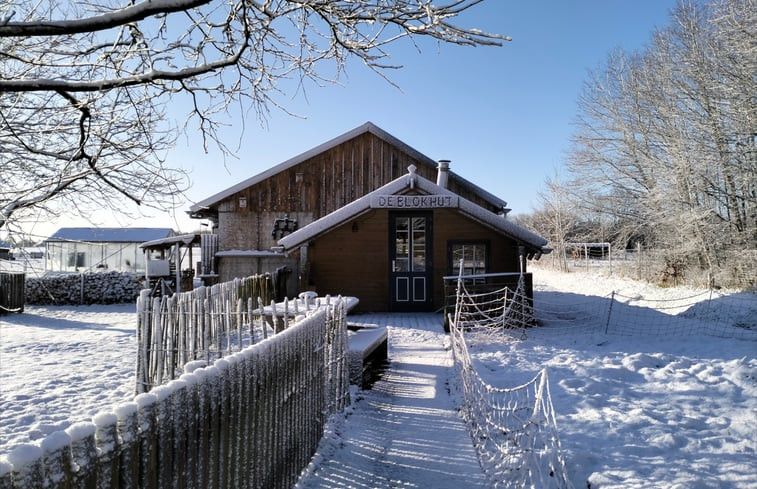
column 410, row 254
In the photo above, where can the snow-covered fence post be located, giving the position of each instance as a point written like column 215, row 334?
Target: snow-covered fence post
column 27, row 466
column 265, row 381
column 240, row 323
column 275, row 318
column 83, row 454
column 148, row 440
column 128, row 432
column 262, row 318
column 239, row 434
column 143, row 340
column 203, row 393
column 56, row 455
column 179, row 426
column 165, row 434
column 251, row 320
column 255, row 408
column 171, row 335
column 223, row 420
column 106, row 441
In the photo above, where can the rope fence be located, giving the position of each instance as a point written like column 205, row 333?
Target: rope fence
column 513, row 429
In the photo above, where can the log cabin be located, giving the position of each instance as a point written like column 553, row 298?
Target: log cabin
column 364, row 215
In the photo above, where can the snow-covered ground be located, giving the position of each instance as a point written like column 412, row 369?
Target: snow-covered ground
column 62, row 364
column 637, row 411
column 641, row 411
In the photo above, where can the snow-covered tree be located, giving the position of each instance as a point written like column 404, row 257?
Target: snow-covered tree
column 84, row 83
column 665, row 139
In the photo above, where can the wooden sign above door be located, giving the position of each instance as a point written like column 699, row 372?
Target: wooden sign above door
column 414, row 201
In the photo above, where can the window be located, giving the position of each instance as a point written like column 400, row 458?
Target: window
column 472, row 255
column 76, row 259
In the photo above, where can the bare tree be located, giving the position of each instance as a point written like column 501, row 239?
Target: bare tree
column 83, row 83
column 557, row 218
column 665, row 139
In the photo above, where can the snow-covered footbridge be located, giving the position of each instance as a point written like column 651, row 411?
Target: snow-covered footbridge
column 406, row 431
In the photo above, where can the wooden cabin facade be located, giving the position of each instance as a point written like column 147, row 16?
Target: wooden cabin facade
column 364, row 215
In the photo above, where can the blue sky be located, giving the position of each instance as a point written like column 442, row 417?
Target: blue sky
column 501, row 114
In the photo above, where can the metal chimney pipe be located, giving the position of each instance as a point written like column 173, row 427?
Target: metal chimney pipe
column 443, row 173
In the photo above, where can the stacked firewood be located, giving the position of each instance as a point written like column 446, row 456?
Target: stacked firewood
column 84, row 288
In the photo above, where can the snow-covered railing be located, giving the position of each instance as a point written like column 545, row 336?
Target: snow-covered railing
column 251, row 419
column 513, row 429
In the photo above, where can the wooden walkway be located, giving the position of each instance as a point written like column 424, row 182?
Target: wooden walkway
column 405, row 432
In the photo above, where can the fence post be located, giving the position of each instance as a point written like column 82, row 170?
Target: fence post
column 106, row 440
column 128, row 431
column 27, row 466
column 148, row 440
column 83, row 454
column 609, row 311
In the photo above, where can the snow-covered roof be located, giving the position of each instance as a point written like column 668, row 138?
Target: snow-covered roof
column 399, row 186
column 248, row 253
column 368, row 127
column 182, row 239
column 110, row 235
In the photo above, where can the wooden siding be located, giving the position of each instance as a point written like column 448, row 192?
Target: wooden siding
column 356, row 263
column 451, row 226
column 318, row 186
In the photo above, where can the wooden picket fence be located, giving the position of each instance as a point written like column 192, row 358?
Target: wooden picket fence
column 252, row 419
column 202, row 324
column 12, row 286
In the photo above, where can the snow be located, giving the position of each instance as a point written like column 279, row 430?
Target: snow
column 638, row 411
column 62, row 364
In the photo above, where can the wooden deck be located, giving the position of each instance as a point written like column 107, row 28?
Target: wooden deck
column 405, row 431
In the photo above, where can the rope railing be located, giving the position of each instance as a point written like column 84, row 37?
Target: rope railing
column 513, row 429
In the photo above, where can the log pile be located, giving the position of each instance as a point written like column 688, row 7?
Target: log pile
column 84, row 288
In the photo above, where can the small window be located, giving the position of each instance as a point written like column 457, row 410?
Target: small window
column 472, row 256
column 76, row 259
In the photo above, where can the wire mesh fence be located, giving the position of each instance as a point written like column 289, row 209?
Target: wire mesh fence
column 669, row 268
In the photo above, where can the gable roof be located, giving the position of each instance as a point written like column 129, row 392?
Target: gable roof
column 110, row 235
column 368, row 127
column 401, row 185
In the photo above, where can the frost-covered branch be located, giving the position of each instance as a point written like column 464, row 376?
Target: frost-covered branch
column 84, row 83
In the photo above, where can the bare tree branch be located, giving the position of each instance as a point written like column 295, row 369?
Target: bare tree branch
column 84, row 83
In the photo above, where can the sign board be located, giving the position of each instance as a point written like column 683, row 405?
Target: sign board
column 414, row 201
